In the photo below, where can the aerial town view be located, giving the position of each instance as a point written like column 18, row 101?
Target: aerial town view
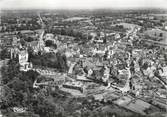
column 84, row 60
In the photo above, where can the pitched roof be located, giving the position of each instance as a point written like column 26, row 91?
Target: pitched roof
column 32, row 43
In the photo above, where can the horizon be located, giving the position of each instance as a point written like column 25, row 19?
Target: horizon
column 82, row 4
column 84, row 9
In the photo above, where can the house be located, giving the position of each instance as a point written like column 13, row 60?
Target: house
column 26, row 66
column 14, row 52
column 76, row 85
column 19, row 110
column 165, row 25
column 23, row 61
column 50, row 36
column 36, row 46
column 23, row 56
column 33, row 45
column 117, row 36
column 163, row 72
column 15, row 41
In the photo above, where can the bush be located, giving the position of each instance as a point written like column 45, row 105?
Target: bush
column 57, row 61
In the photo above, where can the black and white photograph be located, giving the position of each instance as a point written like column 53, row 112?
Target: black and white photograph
column 83, row 58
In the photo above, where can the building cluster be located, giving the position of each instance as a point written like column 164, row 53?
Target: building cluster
column 115, row 62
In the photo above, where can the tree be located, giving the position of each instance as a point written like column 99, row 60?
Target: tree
column 161, row 34
column 47, row 109
column 4, row 54
column 61, row 62
column 19, row 84
column 5, row 97
column 49, row 43
column 29, row 39
column 10, row 71
column 23, row 42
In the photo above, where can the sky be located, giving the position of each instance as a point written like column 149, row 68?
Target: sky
column 81, row 4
